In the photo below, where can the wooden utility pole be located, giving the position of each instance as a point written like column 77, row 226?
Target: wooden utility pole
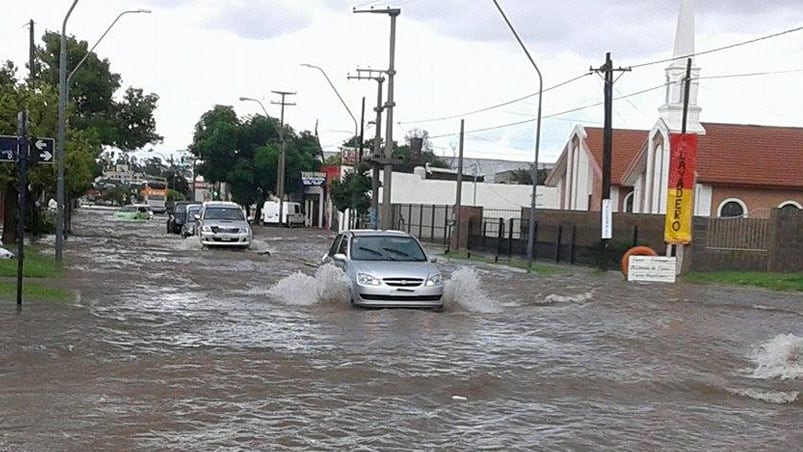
column 606, row 207
column 374, row 160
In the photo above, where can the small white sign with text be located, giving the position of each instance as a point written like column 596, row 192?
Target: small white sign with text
column 651, row 268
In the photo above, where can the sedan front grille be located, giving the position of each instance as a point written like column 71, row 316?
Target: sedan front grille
column 403, row 282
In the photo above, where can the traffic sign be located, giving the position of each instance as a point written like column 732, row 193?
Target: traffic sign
column 8, row 148
column 42, row 149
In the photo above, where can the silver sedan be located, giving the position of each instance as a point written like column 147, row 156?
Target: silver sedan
column 387, row 269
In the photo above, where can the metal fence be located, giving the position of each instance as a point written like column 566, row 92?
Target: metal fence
column 745, row 234
column 429, row 223
column 492, row 216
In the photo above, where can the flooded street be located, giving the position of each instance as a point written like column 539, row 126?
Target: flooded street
column 169, row 346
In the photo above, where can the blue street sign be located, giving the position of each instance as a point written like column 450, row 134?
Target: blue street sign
column 8, row 148
column 42, row 150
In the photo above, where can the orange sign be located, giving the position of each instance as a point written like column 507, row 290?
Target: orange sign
column 680, row 192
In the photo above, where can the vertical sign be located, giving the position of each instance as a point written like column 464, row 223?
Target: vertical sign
column 607, row 219
column 680, row 192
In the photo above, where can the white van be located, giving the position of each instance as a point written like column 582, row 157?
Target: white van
column 291, row 212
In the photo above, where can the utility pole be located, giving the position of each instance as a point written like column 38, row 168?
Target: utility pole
column 31, row 52
column 22, row 166
column 606, row 209
column 283, row 155
column 378, row 76
column 387, row 208
column 459, row 195
column 362, row 129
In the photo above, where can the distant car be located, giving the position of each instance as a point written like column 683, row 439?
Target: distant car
column 291, row 213
column 189, row 226
column 134, row 212
column 222, row 223
column 387, row 269
column 178, row 217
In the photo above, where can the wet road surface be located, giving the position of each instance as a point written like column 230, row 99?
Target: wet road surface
column 170, row 347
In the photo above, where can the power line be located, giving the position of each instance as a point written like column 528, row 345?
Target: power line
column 626, row 96
column 502, row 104
column 718, row 49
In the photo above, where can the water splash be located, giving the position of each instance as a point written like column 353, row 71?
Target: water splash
column 555, row 298
column 190, row 243
column 778, row 397
column 329, row 285
column 260, row 247
column 780, row 357
column 464, row 288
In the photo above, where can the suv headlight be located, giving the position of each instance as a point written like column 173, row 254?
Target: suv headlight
column 435, row 280
column 364, row 279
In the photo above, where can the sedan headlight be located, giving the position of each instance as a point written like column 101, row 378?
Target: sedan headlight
column 364, row 279
column 206, row 229
column 435, row 280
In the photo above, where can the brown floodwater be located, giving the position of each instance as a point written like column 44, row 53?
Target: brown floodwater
column 167, row 346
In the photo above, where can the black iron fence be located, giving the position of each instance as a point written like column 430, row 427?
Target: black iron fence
column 430, row 223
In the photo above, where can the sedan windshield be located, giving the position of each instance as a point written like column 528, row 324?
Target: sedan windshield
column 224, row 213
column 386, row 248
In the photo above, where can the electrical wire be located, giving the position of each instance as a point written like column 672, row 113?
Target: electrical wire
column 719, row 49
column 502, row 104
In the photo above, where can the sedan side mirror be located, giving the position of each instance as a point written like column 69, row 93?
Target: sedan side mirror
column 339, row 258
column 433, row 259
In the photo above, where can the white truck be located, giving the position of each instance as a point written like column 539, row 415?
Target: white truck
column 291, row 213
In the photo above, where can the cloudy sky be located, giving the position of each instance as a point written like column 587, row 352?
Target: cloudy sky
column 453, row 57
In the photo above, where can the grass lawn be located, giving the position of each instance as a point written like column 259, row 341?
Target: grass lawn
column 36, row 265
column 774, row 281
column 514, row 262
column 31, row 290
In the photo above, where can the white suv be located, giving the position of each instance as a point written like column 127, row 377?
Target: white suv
column 223, row 223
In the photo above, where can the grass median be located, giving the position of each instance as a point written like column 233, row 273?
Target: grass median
column 790, row 282
column 505, row 261
column 39, row 272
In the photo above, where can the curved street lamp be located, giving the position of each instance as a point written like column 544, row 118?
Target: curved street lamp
column 531, row 225
column 64, row 80
column 356, row 127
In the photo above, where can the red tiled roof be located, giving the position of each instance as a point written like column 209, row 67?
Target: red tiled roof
column 626, row 145
column 750, row 155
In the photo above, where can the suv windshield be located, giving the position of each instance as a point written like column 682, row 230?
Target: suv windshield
column 386, row 248
column 224, row 213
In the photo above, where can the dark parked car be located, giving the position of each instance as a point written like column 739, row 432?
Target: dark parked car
column 177, row 218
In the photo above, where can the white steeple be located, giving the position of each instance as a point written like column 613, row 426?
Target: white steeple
column 672, row 110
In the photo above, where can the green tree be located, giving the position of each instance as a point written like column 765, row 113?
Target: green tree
column 127, row 124
column 352, row 191
column 245, row 153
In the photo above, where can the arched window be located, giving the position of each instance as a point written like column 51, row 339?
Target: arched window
column 789, row 205
column 732, row 207
column 629, row 203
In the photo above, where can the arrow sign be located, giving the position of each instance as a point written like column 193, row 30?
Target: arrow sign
column 8, row 148
column 44, row 149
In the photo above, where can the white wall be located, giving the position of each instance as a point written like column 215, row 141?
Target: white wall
column 412, row 189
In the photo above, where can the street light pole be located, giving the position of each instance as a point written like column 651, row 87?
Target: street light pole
column 64, row 89
column 531, row 225
column 61, row 133
column 356, row 127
